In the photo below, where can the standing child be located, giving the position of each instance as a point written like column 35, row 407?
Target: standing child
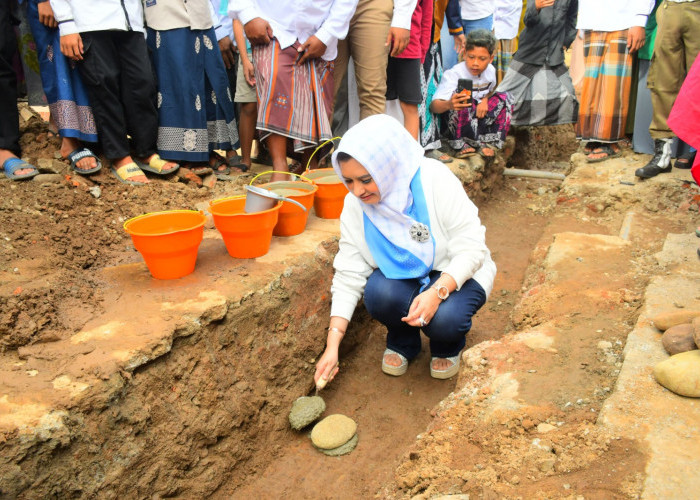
column 105, row 38
column 403, row 70
column 246, row 94
column 482, row 123
column 506, row 20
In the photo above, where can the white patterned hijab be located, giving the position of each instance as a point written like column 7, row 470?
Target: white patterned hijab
column 392, row 157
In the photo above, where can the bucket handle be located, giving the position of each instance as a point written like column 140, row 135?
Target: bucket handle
column 278, row 172
column 308, row 163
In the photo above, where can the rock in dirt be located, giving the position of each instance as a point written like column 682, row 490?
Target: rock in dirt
column 333, row 431
column 48, row 178
column 680, row 373
column 344, row 449
column 696, row 332
column 679, row 339
column 305, row 410
column 666, row 320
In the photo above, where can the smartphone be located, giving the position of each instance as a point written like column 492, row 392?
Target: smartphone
column 465, row 86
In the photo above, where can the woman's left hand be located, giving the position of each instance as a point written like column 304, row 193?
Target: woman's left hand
column 424, row 307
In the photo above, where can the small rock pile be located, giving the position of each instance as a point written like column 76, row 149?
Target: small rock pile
column 681, row 372
column 335, row 435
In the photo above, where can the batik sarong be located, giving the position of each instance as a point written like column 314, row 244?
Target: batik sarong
column 430, row 76
column 606, row 86
column 65, row 94
column 195, row 105
column 503, row 57
column 464, row 127
column 293, row 100
column 541, row 95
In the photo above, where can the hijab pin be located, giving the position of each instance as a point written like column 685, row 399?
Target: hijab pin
column 419, row 232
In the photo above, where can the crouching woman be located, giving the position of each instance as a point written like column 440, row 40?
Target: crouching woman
column 412, row 242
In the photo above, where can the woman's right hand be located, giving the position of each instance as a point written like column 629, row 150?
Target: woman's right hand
column 327, row 366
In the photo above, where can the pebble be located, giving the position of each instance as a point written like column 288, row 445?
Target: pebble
column 696, row 334
column 333, row 431
column 50, row 178
column 680, row 373
column 604, row 344
column 679, row 339
column 544, row 427
column 343, row 449
column 305, row 410
column 95, row 191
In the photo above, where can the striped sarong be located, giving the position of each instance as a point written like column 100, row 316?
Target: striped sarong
column 503, row 57
column 606, row 86
column 541, row 95
column 295, row 101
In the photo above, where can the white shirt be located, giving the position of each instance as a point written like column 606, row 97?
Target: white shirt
column 460, row 244
column 79, row 16
column 506, row 19
column 482, row 85
column 292, row 20
column 476, row 9
column 223, row 26
column 617, row 15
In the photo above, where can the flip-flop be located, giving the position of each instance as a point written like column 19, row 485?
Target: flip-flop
column 235, row 162
column 448, row 372
column 155, row 165
column 395, row 371
column 12, row 165
column 465, row 152
column 438, row 155
column 219, row 162
column 128, row 171
column 604, row 149
column 75, row 156
column 484, row 155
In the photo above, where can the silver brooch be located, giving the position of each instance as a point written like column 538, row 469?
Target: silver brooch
column 419, row 232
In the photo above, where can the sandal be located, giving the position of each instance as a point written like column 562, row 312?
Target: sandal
column 483, row 152
column 438, row 155
column 127, row 172
column 201, row 169
column 685, row 161
column 219, row 165
column 606, row 150
column 156, row 165
column 395, row 371
column 465, row 152
column 448, row 372
column 235, row 162
column 590, row 146
column 79, row 154
column 12, row 165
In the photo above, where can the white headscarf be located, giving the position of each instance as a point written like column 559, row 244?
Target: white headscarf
column 392, row 157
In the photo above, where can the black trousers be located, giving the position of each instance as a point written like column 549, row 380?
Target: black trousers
column 121, row 84
column 9, row 118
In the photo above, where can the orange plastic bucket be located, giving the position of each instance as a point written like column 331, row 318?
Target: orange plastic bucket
column 292, row 219
column 328, row 202
column 168, row 241
column 245, row 235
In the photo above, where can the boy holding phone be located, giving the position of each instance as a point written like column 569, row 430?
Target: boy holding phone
column 478, row 116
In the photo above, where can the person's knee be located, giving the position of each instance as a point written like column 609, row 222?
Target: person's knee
column 381, row 299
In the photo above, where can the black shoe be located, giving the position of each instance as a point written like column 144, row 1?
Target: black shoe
column 660, row 162
column 685, row 161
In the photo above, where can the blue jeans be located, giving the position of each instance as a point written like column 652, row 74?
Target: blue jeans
column 473, row 24
column 388, row 301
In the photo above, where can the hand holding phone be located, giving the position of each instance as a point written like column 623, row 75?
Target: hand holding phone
column 464, row 87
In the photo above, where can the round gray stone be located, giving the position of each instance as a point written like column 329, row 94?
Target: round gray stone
column 305, row 410
column 333, row 431
column 342, row 450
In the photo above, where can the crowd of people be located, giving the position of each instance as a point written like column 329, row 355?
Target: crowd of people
column 160, row 84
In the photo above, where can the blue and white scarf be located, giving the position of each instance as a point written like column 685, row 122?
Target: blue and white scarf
column 397, row 229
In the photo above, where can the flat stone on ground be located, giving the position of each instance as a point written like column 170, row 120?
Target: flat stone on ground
column 680, row 374
column 342, row 450
column 333, row 431
column 305, row 410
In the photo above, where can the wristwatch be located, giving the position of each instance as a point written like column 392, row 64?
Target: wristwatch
column 442, row 291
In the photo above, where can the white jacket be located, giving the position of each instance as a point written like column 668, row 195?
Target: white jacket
column 460, row 244
column 619, row 15
column 79, row 16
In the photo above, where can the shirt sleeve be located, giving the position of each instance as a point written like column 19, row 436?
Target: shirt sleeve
column 351, row 268
column 570, row 30
column 642, row 9
column 219, row 21
column 243, row 10
column 454, row 18
column 337, row 23
column 403, row 11
column 447, row 85
column 63, row 13
column 466, row 236
column 532, row 15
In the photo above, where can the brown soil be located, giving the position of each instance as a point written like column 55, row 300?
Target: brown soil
column 54, row 234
